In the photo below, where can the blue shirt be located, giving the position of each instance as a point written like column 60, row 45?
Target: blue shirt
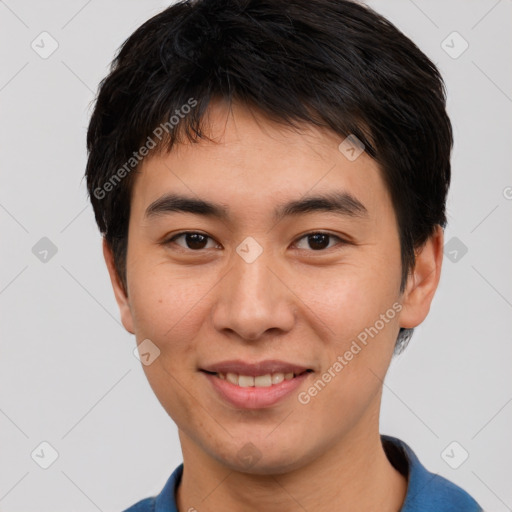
column 426, row 492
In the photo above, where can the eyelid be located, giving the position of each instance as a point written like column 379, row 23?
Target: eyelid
column 341, row 241
column 167, row 240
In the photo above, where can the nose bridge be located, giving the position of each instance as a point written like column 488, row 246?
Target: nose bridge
column 251, row 299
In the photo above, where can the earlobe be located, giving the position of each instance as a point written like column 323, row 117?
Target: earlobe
column 423, row 281
column 119, row 291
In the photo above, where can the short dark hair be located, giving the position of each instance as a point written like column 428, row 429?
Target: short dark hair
column 331, row 63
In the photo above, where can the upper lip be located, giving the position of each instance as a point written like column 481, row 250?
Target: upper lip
column 254, row 369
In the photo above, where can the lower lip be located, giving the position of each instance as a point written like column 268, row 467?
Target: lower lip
column 254, row 397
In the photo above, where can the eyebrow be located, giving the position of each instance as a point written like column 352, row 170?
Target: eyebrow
column 339, row 203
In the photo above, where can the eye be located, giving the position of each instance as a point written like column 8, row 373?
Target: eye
column 196, row 241
column 317, row 241
column 193, row 241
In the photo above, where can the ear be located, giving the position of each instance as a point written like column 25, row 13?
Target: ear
column 422, row 282
column 119, row 292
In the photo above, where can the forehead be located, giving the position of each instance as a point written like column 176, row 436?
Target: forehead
column 253, row 163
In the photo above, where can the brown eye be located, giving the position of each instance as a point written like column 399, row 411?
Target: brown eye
column 193, row 241
column 317, row 241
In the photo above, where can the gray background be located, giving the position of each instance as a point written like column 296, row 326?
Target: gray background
column 67, row 372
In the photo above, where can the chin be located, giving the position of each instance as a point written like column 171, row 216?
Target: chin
column 266, row 458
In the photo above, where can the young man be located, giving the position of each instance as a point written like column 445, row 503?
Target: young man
column 270, row 179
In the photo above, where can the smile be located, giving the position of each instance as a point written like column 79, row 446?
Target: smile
column 255, row 386
column 258, row 381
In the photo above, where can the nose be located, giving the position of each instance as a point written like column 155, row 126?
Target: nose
column 253, row 300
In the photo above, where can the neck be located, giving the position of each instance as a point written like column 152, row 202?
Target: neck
column 352, row 475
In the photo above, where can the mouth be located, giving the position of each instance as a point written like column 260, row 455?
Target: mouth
column 257, row 381
column 255, row 386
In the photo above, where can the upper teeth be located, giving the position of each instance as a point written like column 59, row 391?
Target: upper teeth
column 260, row 381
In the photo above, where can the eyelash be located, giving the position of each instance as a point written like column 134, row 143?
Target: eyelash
column 306, row 235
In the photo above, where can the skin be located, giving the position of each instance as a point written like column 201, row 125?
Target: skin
column 292, row 303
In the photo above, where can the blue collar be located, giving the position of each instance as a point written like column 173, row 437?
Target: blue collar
column 426, row 492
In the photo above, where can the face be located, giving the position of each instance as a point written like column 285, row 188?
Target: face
column 242, row 272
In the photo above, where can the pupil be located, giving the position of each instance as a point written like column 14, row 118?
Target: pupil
column 318, row 241
column 195, row 240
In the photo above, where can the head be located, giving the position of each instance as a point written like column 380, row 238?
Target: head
column 242, row 122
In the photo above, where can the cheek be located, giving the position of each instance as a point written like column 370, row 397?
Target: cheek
column 359, row 306
column 168, row 306
column 169, row 310
column 349, row 298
